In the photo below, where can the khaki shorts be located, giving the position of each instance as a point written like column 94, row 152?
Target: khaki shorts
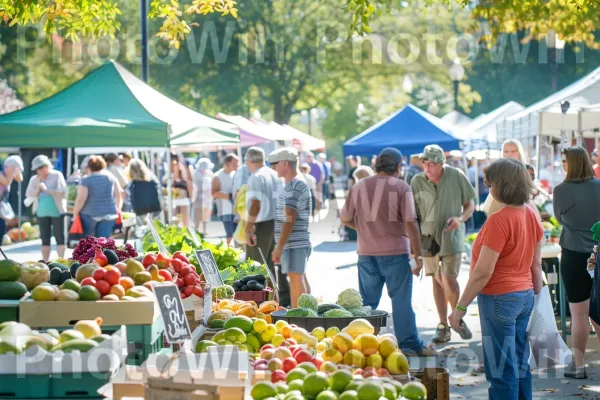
column 446, row 265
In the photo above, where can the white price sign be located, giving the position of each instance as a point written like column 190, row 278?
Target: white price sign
column 208, row 265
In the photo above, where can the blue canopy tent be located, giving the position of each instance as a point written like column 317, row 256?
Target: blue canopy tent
column 408, row 130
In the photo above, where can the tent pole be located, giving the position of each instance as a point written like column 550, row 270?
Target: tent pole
column 476, row 165
column 169, row 188
column 144, row 5
column 69, row 161
column 538, row 151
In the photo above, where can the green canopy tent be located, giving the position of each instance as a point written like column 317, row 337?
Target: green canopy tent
column 110, row 107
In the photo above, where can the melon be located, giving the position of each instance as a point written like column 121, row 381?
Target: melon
column 10, row 271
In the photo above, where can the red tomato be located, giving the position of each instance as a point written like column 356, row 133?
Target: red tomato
column 99, row 274
column 198, row 291
column 185, row 270
column 189, row 280
column 166, row 274
column 188, row 290
column 180, row 255
column 180, row 283
column 103, row 287
column 148, row 260
column 177, row 265
column 113, row 276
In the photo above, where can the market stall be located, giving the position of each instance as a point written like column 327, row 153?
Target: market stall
column 110, row 107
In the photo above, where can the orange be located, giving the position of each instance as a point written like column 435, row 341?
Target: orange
column 286, row 331
column 117, row 290
column 126, row 282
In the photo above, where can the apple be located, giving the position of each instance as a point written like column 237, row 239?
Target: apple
column 148, row 260
column 99, row 274
column 267, row 354
column 261, row 362
column 289, row 342
column 267, row 346
column 88, row 282
column 274, row 364
column 289, row 364
column 103, row 287
column 277, row 376
column 121, row 266
column 303, row 356
column 317, row 363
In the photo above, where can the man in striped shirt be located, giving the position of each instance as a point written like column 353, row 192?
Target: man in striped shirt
column 292, row 213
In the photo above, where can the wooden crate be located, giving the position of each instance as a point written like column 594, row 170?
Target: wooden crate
column 436, row 380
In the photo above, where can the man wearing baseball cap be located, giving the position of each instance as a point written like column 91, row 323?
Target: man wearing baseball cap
column 382, row 210
column 444, row 200
column 292, row 212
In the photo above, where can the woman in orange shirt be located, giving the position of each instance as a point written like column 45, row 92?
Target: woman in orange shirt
column 505, row 274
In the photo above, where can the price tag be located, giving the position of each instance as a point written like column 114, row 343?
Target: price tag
column 195, row 237
column 177, row 329
column 208, row 265
column 155, row 235
column 271, row 277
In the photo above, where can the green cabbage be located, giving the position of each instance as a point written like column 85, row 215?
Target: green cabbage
column 337, row 314
column 308, row 301
column 350, row 299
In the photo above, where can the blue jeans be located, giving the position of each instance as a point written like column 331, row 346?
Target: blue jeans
column 504, row 320
column 95, row 228
column 394, row 271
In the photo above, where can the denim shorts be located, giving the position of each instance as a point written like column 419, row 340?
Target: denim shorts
column 295, row 260
column 229, row 224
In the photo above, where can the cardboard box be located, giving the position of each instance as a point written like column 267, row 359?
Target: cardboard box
column 108, row 356
column 54, row 314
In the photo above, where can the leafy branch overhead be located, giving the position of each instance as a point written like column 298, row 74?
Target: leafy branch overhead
column 572, row 20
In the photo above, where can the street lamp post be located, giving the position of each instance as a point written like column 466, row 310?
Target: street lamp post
column 457, row 73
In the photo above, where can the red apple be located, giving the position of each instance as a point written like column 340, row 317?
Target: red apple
column 166, row 274
column 88, row 282
column 383, row 372
column 289, row 364
column 302, row 356
column 289, row 342
column 294, row 348
column 112, row 276
column 277, row 376
column 267, row 346
column 99, row 274
column 103, row 287
column 148, row 260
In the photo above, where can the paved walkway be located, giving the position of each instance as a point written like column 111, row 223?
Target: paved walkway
column 332, row 268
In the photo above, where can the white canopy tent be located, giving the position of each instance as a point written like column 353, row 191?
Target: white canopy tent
column 484, row 126
column 304, row 141
column 544, row 119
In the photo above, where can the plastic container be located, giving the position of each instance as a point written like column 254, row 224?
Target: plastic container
column 78, row 386
column 25, row 386
column 257, row 296
column 377, row 319
column 9, row 310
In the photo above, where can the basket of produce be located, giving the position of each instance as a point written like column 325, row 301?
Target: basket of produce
column 310, row 314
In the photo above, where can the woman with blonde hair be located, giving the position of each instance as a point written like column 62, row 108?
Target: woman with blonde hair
column 362, row 172
column 511, row 148
column 576, row 207
column 143, row 190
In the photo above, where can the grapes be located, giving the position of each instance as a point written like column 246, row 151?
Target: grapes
column 86, row 249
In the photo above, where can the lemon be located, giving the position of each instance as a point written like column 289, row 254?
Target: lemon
column 331, row 332
column 343, row 342
column 333, row 355
column 366, row 343
column 355, row 358
column 387, row 346
column 319, row 333
column 260, row 325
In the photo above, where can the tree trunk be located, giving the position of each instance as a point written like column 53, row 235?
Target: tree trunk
column 282, row 111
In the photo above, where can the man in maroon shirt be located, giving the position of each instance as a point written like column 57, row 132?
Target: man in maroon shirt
column 381, row 208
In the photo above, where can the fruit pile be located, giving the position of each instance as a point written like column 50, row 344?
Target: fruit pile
column 84, row 336
column 245, row 333
column 184, row 273
column 306, row 382
column 349, row 304
column 227, row 309
column 90, row 290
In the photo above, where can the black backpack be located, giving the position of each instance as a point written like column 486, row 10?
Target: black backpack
column 144, row 197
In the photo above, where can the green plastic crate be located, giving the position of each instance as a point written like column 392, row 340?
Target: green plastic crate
column 9, row 310
column 77, row 386
column 24, row 387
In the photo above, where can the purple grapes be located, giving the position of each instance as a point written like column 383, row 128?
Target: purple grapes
column 86, row 249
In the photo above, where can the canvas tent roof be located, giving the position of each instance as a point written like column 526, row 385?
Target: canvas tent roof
column 484, row 126
column 251, row 134
column 457, row 118
column 110, row 107
column 409, row 130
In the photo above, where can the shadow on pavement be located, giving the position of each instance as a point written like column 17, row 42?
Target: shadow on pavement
column 335, row 247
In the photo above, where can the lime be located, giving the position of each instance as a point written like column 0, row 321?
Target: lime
column 370, row 391
column 327, row 395
column 296, row 373
column 340, row 379
column 263, row 390
column 315, row 383
column 297, row 384
column 390, row 391
column 414, row 391
column 307, row 366
column 348, row 395
column 282, row 387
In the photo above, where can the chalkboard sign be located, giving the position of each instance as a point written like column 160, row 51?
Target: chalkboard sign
column 208, row 265
column 177, row 329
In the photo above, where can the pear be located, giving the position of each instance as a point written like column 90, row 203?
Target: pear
column 133, row 268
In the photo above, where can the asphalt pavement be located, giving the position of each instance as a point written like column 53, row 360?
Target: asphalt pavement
column 332, row 268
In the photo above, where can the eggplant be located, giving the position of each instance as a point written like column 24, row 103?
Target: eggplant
column 244, row 288
column 258, row 278
column 255, row 286
column 237, row 285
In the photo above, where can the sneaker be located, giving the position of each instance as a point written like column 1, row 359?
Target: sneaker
column 442, row 334
column 464, row 332
column 427, row 352
column 573, row 372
